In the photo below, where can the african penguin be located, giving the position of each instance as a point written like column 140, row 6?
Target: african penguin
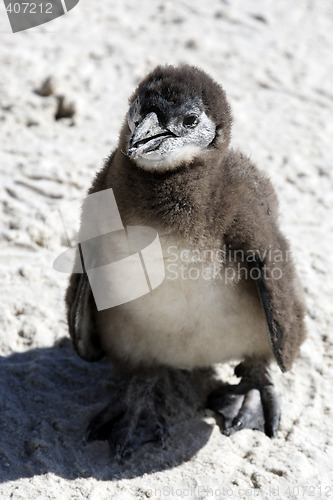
column 230, row 292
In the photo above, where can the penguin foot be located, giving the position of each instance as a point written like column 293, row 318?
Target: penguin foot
column 130, row 422
column 252, row 404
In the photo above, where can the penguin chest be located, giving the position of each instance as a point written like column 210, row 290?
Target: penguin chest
column 197, row 317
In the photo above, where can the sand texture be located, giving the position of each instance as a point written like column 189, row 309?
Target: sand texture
column 275, row 60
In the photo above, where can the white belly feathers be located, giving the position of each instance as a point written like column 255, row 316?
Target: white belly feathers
column 195, row 318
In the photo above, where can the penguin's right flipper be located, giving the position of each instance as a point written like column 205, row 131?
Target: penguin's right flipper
column 81, row 313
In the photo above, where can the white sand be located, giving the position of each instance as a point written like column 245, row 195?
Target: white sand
column 275, row 60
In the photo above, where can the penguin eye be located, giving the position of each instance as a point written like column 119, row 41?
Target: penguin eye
column 190, row 120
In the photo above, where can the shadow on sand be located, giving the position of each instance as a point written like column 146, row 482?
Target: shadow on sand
column 49, row 395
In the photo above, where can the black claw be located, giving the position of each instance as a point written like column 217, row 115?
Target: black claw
column 237, row 424
column 269, row 431
column 271, row 408
column 252, row 404
column 271, row 428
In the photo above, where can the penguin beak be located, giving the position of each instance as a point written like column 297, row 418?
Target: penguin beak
column 147, row 136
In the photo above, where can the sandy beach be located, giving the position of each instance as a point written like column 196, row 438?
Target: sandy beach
column 275, row 61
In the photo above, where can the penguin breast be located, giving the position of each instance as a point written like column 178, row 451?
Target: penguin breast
column 198, row 316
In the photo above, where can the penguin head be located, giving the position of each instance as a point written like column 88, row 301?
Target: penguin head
column 176, row 114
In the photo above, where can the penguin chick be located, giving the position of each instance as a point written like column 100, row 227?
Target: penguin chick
column 231, row 291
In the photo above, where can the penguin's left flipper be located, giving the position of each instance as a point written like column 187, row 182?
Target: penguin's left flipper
column 283, row 303
column 252, row 404
column 255, row 233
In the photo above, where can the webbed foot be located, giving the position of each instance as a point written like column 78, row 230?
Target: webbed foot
column 131, row 421
column 251, row 404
